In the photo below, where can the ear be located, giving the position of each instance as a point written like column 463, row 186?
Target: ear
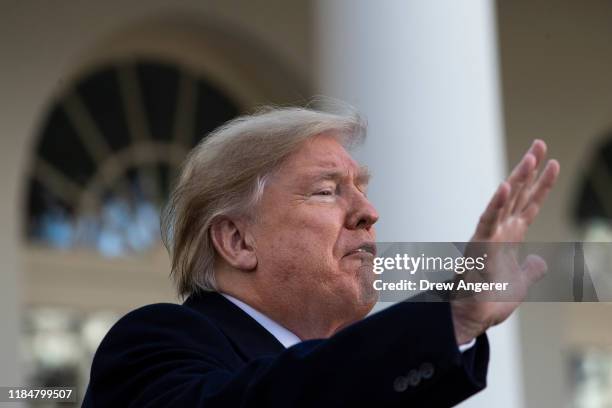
column 233, row 243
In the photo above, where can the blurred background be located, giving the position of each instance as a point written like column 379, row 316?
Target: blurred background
column 101, row 101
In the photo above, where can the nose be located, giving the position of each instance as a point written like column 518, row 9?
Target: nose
column 362, row 214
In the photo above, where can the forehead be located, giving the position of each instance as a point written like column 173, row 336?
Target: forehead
column 321, row 152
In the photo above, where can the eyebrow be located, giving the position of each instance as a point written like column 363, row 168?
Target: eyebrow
column 362, row 177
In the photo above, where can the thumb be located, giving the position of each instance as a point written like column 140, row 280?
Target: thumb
column 534, row 267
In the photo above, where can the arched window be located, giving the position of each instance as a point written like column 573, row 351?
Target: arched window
column 109, row 150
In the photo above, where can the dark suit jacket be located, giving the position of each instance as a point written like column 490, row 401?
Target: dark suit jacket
column 209, row 353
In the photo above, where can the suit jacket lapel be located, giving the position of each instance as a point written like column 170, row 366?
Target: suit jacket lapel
column 249, row 338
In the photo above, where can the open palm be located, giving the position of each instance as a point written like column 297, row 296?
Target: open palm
column 512, row 209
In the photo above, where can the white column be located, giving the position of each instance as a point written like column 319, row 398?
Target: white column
column 425, row 75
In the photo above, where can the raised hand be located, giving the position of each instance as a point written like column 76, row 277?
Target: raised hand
column 518, row 200
column 513, row 207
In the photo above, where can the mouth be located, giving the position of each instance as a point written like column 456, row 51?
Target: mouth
column 367, row 248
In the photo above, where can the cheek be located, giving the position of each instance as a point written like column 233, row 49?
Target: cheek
column 301, row 247
column 307, row 240
column 310, row 227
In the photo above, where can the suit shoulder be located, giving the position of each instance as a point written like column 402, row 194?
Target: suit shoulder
column 156, row 344
column 157, row 313
column 159, row 326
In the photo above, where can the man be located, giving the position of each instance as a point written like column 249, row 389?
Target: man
column 272, row 238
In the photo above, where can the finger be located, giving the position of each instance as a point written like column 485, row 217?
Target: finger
column 538, row 149
column 521, row 189
column 518, row 178
column 534, row 267
column 489, row 219
column 540, row 191
column 523, row 194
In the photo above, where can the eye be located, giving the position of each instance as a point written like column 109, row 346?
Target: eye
column 327, row 189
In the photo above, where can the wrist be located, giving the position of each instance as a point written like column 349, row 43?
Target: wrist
column 466, row 326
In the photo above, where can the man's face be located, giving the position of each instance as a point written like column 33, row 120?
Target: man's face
column 314, row 236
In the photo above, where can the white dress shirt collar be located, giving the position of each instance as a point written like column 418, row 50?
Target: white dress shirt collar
column 284, row 336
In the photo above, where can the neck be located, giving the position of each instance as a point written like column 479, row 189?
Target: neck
column 291, row 314
column 299, row 313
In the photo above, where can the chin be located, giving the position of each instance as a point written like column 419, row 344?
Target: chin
column 367, row 296
column 369, row 304
column 358, row 311
column 364, row 303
